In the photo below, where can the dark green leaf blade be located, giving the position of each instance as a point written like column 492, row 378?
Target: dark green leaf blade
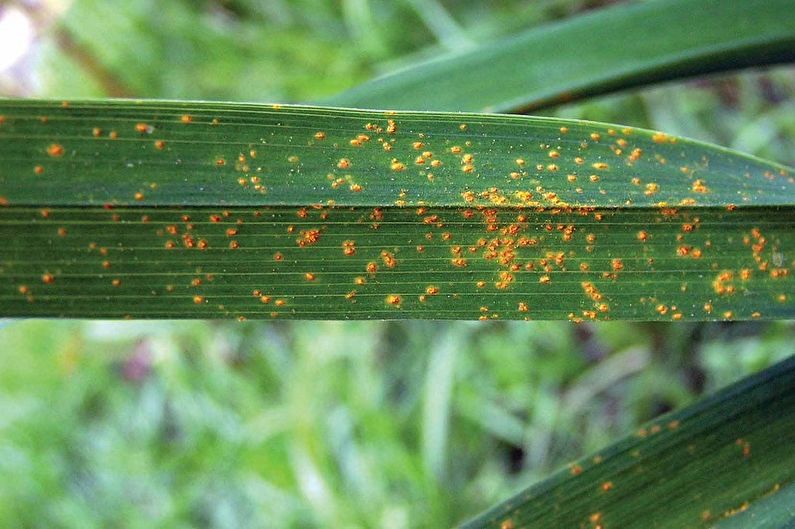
column 698, row 468
column 165, row 209
column 608, row 50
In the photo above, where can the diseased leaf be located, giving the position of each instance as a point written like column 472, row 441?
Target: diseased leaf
column 203, row 210
column 607, row 50
column 726, row 461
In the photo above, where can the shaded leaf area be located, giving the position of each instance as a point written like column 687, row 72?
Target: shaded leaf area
column 775, row 511
column 589, row 55
column 395, row 263
column 169, row 209
column 697, row 467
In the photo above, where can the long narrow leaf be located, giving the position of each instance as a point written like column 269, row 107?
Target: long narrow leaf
column 200, row 210
column 610, row 49
column 726, row 461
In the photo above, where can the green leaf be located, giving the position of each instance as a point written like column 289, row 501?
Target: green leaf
column 203, row 210
column 595, row 53
column 726, row 461
column 774, row 511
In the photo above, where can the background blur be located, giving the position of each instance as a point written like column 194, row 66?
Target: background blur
column 331, row 424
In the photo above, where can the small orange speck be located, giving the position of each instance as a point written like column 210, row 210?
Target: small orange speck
column 160, row 145
column 143, row 128
column 309, row 276
column 47, row 278
column 344, row 163
column 607, row 485
column 349, row 248
column 393, row 300
column 55, row 150
column 700, row 187
column 139, row 196
column 198, row 300
column 38, row 169
column 186, row 118
column 320, row 135
column 389, row 259
column 652, row 188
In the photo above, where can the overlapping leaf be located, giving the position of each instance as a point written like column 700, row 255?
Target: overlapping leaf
column 607, row 50
column 726, row 461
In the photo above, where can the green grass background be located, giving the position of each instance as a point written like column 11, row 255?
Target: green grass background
column 332, row 424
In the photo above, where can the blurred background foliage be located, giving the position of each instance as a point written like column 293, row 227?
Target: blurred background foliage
column 333, row 424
